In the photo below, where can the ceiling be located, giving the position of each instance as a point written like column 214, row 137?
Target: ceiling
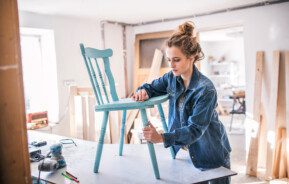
column 129, row 11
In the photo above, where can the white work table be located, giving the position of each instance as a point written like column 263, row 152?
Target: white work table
column 133, row 167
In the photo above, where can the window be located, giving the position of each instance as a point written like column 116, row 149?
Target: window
column 39, row 71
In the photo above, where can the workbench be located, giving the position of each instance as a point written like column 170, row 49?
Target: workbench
column 133, row 167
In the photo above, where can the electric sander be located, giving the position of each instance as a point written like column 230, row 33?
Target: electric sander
column 56, row 161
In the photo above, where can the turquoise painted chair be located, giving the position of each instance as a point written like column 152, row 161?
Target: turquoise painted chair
column 91, row 58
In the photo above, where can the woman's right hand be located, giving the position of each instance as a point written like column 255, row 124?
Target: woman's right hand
column 140, row 95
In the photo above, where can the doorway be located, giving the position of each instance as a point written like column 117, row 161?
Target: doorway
column 39, row 71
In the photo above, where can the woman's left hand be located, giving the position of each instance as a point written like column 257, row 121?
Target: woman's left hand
column 150, row 134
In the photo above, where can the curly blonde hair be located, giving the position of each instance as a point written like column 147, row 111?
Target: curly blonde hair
column 185, row 39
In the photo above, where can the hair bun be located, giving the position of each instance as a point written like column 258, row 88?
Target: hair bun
column 186, row 28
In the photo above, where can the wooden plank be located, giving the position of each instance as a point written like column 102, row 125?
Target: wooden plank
column 287, row 103
column 72, row 93
column 280, row 157
column 252, row 159
column 84, row 109
column 258, row 86
column 91, row 119
column 273, row 113
column 277, row 154
column 15, row 164
column 130, row 119
column 283, row 161
column 278, row 162
column 262, row 140
column 114, row 126
column 78, row 116
column 156, row 65
column 83, row 90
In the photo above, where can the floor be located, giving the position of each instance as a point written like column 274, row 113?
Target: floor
column 238, row 155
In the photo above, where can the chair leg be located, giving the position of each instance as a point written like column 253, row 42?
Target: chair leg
column 165, row 127
column 150, row 146
column 122, row 133
column 100, row 141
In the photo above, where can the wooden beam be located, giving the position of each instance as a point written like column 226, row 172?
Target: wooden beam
column 114, row 126
column 287, row 103
column 262, row 141
column 252, row 161
column 15, row 164
column 280, row 158
column 156, row 65
column 277, row 151
column 91, row 119
column 130, row 119
column 78, row 119
column 83, row 105
column 72, row 94
column 273, row 113
column 279, row 161
column 84, row 110
column 283, row 161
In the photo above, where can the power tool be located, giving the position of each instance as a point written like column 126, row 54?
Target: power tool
column 56, row 160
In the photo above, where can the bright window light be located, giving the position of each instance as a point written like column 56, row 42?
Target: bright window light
column 39, row 71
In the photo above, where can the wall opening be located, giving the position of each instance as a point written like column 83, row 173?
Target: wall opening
column 39, row 71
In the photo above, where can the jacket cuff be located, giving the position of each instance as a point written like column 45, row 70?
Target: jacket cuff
column 145, row 88
column 169, row 139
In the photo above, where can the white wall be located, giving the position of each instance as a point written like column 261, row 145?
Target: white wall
column 265, row 28
column 114, row 40
column 69, row 32
column 130, row 37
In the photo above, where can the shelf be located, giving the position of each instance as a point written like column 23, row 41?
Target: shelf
column 224, row 89
column 219, row 64
column 219, row 76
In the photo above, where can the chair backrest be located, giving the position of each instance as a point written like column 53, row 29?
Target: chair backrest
column 91, row 58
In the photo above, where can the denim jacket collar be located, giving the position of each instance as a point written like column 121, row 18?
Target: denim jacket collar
column 194, row 79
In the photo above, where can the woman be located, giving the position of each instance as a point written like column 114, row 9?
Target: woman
column 193, row 121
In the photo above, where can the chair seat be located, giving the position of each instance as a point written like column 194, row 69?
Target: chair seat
column 128, row 103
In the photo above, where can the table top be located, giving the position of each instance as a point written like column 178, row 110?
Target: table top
column 133, row 167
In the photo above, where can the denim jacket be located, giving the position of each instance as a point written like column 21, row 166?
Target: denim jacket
column 193, row 121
